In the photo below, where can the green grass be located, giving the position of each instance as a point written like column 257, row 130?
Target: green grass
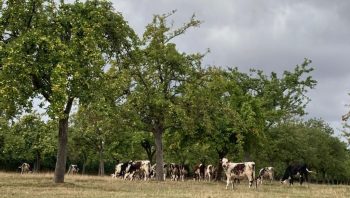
column 41, row 185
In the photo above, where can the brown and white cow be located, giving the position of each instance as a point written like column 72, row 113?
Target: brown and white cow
column 183, row 171
column 142, row 167
column 239, row 171
column 199, row 172
column 177, row 172
column 73, row 168
column 266, row 173
column 174, row 171
column 209, row 172
column 25, row 168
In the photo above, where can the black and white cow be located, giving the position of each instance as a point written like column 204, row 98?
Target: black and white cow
column 296, row 171
column 25, row 168
column 120, row 169
column 142, row 167
column 239, row 171
column 199, row 172
column 266, row 173
column 73, row 168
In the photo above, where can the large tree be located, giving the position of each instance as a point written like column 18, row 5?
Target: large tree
column 57, row 52
column 158, row 79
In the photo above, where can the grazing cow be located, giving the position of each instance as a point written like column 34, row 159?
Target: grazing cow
column 199, row 172
column 209, row 172
column 73, row 168
column 142, row 167
column 239, row 171
column 298, row 170
column 266, row 172
column 25, row 168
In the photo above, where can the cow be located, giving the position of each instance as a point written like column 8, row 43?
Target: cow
column 174, row 171
column 209, row 172
column 25, row 168
column 183, row 171
column 73, row 168
column 297, row 170
column 177, row 172
column 199, row 172
column 266, row 172
column 142, row 167
column 239, row 171
column 120, row 169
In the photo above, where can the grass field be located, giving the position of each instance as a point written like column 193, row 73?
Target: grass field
column 41, row 185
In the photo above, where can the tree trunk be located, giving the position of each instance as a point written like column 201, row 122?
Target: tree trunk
column 37, row 161
column 60, row 168
column 101, row 168
column 61, row 160
column 84, row 164
column 221, row 154
column 159, row 154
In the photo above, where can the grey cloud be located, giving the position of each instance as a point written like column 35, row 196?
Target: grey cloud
column 270, row 35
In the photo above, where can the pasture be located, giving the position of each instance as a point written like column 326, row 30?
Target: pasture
column 41, row 185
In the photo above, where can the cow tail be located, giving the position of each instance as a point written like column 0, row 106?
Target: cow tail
column 309, row 171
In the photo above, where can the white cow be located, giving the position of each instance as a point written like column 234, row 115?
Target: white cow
column 239, row 171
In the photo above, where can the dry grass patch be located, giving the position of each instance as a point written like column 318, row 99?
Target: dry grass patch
column 41, row 185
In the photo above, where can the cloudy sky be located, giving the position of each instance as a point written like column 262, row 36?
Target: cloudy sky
column 272, row 35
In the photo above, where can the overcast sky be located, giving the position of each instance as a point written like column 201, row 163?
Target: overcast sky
column 272, row 35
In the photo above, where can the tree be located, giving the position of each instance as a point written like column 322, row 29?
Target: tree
column 311, row 142
column 57, row 52
column 158, row 78
column 240, row 108
column 30, row 139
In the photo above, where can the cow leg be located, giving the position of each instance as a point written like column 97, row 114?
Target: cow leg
column 132, row 176
column 301, row 180
column 126, row 175
column 228, row 181
column 250, row 179
column 291, row 180
column 146, row 173
column 306, row 178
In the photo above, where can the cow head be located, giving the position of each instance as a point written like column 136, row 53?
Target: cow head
column 224, row 162
column 284, row 180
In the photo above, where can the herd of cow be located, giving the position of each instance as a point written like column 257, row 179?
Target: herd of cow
column 234, row 172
